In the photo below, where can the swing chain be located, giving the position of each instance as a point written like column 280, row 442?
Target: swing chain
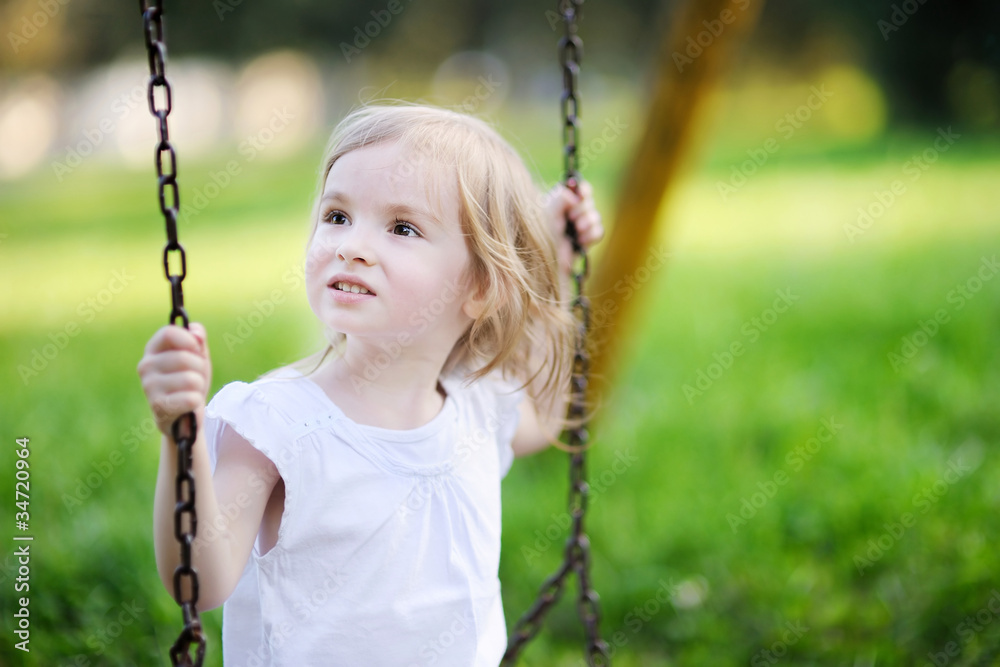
column 578, row 545
column 576, row 557
column 570, row 53
column 185, row 429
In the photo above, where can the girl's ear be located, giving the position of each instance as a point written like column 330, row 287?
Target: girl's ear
column 475, row 304
column 475, row 301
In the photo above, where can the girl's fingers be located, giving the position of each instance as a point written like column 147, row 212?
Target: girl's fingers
column 174, row 383
column 173, row 337
column 558, row 203
column 578, row 207
column 584, row 214
column 174, row 353
column 176, row 372
column 589, row 228
column 164, row 388
column 173, row 348
column 166, row 409
column 173, row 394
column 173, row 361
column 198, row 330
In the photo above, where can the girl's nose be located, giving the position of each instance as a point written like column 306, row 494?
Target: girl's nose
column 355, row 245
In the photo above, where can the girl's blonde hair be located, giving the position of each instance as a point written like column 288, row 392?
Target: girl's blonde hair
column 524, row 331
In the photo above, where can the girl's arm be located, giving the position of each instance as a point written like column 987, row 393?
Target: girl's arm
column 534, row 429
column 176, row 374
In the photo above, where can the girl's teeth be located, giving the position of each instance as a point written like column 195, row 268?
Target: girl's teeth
column 354, row 289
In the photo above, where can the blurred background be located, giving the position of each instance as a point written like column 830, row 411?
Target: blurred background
column 794, row 456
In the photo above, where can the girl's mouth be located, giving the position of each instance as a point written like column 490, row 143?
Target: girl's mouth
column 350, row 287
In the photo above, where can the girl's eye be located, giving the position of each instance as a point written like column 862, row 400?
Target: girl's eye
column 335, row 217
column 401, row 228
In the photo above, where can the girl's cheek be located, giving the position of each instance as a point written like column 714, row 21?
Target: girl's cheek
column 320, row 250
column 312, row 264
column 314, row 267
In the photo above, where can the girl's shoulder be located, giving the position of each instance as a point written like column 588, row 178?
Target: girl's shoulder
column 494, row 381
column 289, row 372
column 492, row 392
column 281, row 396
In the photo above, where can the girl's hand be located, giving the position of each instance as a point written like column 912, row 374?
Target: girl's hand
column 562, row 204
column 176, row 373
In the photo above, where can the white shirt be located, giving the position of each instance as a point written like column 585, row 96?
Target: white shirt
column 389, row 544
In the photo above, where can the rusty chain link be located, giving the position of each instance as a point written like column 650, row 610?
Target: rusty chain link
column 576, row 557
column 185, row 428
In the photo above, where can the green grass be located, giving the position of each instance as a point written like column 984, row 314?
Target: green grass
column 659, row 517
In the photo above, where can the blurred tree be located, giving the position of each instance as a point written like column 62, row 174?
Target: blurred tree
column 98, row 31
column 694, row 53
column 913, row 47
column 918, row 49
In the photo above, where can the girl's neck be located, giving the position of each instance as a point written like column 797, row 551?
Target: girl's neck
column 401, row 394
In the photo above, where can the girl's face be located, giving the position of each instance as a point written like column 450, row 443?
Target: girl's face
column 388, row 259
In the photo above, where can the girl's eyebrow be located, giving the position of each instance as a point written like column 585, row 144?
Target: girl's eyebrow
column 334, row 195
column 410, row 212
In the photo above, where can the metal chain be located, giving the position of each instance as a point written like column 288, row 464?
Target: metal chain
column 576, row 557
column 185, row 428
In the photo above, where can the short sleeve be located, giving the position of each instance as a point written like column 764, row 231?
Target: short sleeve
column 246, row 410
column 506, row 398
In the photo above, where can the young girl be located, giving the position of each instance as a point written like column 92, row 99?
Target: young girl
column 349, row 505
